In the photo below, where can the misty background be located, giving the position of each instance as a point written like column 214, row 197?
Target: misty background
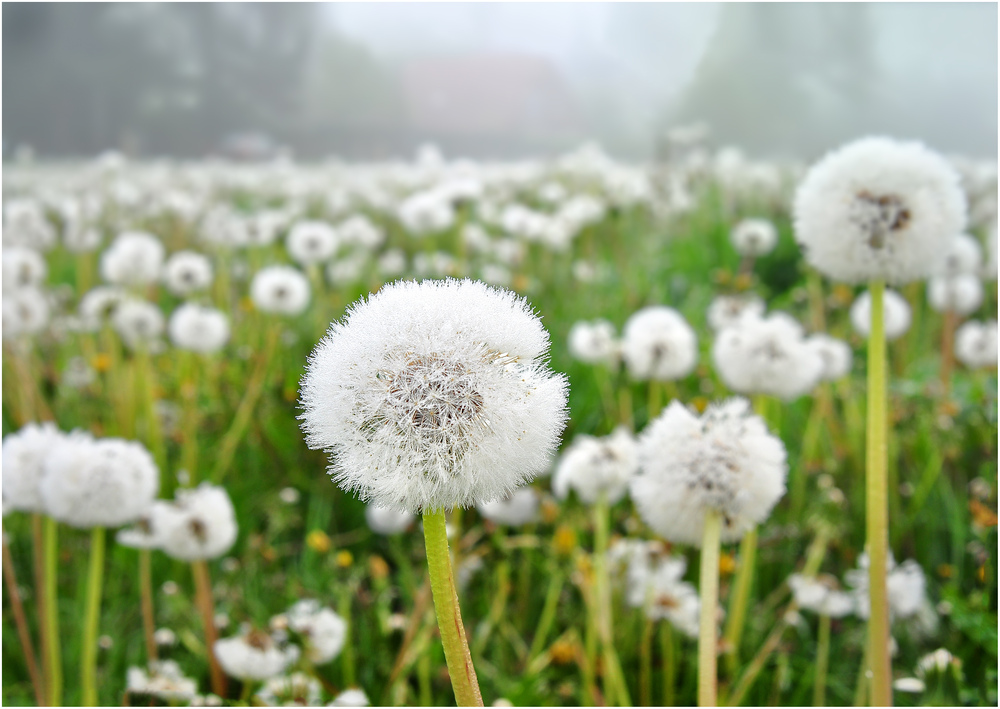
column 374, row 81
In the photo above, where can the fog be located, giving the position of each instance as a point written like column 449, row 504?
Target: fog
column 373, row 81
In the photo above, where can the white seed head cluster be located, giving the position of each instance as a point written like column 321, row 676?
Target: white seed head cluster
column 187, row 272
column 360, row 231
column 198, row 328
column 138, row 322
column 725, row 461
column 906, row 585
column 280, row 289
column 878, row 208
column 22, row 268
column 134, row 258
column 960, row 294
column 26, row 312
column 653, row 581
column 386, row 520
column 976, row 344
column 310, row 242
column 895, row 314
column 164, row 680
column 835, row 354
column 727, row 310
column 594, row 342
column 597, row 466
column 350, row 698
column 433, row 395
column 658, row 344
column 519, row 509
column 323, row 630
column 820, row 596
column 964, row 255
column 106, row 482
column 754, row 237
column 254, row 656
column 98, row 305
column 767, row 356
column 295, row 690
column 24, row 454
column 199, row 524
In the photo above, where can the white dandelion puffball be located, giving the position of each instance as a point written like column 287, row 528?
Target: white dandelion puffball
column 964, row 255
column 392, row 263
column 961, row 294
column 594, row 342
column 280, row 289
column 26, row 312
column 878, row 208
column 658, row 343
column 726, row 461
column 199, row 524
column 311, row 242
column 24, row 454
column 426, row 213
column 754, row 237
column 976, row 344
column 98, row 304
column 135, row 258
column 895, row 314
column 199, row 329
column 98, row 483
column 435, row 394
column 727, row 310
column 165, row 681
column 835, row 354
column 350, row 698
column 906, row 586
column 597, row 466
column 324, row 630
column 816, row 595
column 517, row 510
column 22, row 268
column 767, row 356
column 360, row 231
column 187, row 272
column 296, row 690
column 654, row 582
column 386, row 520
column 137, row 322
column 254, row 656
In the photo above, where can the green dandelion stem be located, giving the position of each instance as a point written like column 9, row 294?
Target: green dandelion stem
column 669, row 663
column 55, row 679
column 449, row 616
column 146, row 598
column 822, row 661
column 548, row 616
column 709, row 589
column 38, row 551
column 741, row 595
column 877, row 517
column 92, row 615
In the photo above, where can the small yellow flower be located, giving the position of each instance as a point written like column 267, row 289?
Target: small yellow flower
column 743, row 281
column 102, row 362
column 946, row 571
column 700, row 403
column 520, row 282
column 344, row 558
column 722, row 276
column 564, row 541
column 727, row 564
column 550, row 511
column 318, row 541
column 378, row 568
column 246, row 304
column 562, row 652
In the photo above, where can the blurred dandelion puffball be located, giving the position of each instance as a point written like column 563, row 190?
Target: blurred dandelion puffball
column 519, row 509
column 98, row 483
column 597, row 466
column 960, row 294
column 386, row 520
column 24, row 454
column 896, row 314
column 976, row 344
column 280, row 289
column 879, row 209
column 435, row 394
column 134, row 258
column 254, row 656
column 754, row 237
column 726, row 461
column 198, row 328
column 657, row 343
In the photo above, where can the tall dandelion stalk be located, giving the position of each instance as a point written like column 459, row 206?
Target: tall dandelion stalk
column 435, row 396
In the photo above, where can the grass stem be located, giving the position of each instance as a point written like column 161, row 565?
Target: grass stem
column 21, row 621
column 55, row 679
column 92, row 616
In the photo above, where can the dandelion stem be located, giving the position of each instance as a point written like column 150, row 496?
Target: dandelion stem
column 822, row 661
column 669, row 663
column 38, row 552
column 92, row 615
column 203, row 599
column 146, row 595
column 646, row 663
column 741, row 596
column 877, row 503
column 449, row 616
column 21, row 621
column 613, row 676
column 707, row 657
column 424, row 679
column 947, row 352
column 55, row 679
column 347, row 653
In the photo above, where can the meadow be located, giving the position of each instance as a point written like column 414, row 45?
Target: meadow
column 582, row 238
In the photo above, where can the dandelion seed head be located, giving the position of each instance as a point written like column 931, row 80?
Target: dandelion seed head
column 280, row 289
column 597, row 466
column 895, row 314
column 187, row 272
column 658, row 344
column 198, row 328
column 754, row 237
column 519, row 509
column 976, row 344
column 961, row 294
column 134, row 258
